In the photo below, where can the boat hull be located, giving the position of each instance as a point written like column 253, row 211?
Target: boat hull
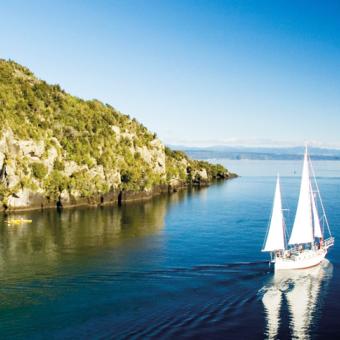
column 305, row 259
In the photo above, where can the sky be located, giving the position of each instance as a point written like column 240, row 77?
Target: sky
column 195, row 72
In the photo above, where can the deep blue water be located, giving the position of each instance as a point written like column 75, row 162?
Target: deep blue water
column 186, row 265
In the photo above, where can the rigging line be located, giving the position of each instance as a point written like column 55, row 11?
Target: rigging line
column 320, row 199
column 286, row 232
column 313, row 204
column 287, row 221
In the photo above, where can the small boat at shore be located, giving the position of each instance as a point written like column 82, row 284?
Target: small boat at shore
column 17, row 221
column 307, row 246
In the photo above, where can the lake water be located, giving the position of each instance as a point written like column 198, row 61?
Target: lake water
column 185, row 265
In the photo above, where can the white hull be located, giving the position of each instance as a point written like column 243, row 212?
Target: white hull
column 305, row 259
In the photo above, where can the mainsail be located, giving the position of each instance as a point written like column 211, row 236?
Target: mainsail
column 275, row 238
column 302, row 231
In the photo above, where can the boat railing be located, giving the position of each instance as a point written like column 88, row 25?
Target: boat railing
column 329, row 242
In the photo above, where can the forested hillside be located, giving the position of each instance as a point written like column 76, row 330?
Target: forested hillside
column 55, row 147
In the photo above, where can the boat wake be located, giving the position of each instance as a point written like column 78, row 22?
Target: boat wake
column 203, row 302
column 260, row 267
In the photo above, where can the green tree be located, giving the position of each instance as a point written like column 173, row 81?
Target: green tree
column 39, row 170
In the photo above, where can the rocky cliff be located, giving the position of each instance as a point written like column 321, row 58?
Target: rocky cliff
column 57, row 149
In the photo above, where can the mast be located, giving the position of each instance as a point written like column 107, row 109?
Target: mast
column 275, row 237
column 302, row 231
column 316, row 220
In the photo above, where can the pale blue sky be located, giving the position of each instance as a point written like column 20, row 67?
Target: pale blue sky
column 200, row 72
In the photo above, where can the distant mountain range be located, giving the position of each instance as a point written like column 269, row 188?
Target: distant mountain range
column 259, row 153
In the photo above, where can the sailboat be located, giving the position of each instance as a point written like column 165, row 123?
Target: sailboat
column 307, row 246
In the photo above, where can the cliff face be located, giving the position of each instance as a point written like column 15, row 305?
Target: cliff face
column 59, row 149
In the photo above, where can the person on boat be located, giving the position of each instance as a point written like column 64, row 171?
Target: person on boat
column 319, row 244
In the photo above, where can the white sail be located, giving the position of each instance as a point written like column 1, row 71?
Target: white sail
column 316, row 220
column 302, row 231
column 275, row 238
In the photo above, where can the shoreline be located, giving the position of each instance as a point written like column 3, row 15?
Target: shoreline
column 116, row 198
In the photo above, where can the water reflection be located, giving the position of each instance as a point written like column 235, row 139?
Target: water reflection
column 73, row 236
column 303, row 292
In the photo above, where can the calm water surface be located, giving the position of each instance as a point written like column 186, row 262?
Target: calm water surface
column 187, row 265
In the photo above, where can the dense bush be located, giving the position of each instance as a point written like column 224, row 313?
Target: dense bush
column 39, row 170
column 55, row 183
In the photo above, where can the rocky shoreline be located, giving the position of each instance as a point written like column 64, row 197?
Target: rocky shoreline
column 114, row 198
column 23, row 191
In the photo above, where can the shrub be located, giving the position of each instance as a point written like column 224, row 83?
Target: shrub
column 58, row 165
column 55, row 183
column 39, row 170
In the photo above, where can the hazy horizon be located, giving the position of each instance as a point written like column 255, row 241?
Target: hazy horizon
column 261, row 144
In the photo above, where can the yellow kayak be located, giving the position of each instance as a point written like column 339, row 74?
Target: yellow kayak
column 18, row 221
